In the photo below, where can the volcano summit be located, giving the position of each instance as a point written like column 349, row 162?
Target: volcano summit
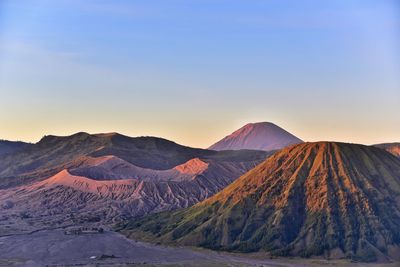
column 332, row 199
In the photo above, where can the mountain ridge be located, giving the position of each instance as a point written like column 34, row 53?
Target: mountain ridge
column 8, row 147
column 55, row 153
column 135, row 176
column 393, row 148
column 111, row 196
column 332, row 199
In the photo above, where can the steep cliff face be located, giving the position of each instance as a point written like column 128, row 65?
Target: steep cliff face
column 331, row 199
column 259, row 136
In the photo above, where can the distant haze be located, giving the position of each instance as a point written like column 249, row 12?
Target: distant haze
column 195, row 71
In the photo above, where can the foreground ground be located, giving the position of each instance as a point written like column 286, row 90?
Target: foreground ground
column 55, row 248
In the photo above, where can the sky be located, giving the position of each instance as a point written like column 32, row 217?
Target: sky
column 193, row 71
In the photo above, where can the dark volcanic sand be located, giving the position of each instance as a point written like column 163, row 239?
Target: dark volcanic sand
column 54, row 248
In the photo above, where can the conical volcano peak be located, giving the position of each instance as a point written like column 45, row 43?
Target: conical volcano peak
column 324, row 198
column 258, row 136
column 321, row 165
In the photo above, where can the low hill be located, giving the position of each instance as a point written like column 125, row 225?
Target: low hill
column 259, row 136
column 314, row 199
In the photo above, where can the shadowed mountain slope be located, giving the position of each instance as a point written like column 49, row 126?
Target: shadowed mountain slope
column 53, row 154
column 331, row 199
column 8, row 147
column 259, row 136
column 393, row 148
column 110, row 177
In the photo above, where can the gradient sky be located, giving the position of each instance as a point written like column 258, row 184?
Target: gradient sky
column 193, row 71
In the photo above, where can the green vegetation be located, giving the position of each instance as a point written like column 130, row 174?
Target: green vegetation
column 307, row 200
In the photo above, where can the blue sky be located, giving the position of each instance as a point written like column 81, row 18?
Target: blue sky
column 193, row 71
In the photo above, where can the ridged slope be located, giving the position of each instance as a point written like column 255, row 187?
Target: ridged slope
column 114, row 168
column 56, row 153
column 331, row 199
column 8, row 147
column 393, row 148
column 109, row 188
column 258, row 136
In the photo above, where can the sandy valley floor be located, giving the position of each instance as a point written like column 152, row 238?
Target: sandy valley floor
column 54, row 248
